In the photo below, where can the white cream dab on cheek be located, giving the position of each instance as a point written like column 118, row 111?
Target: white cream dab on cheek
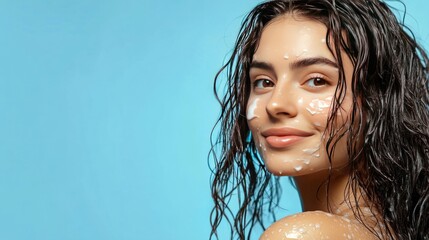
column 251, row 110
column 312, row 151
column 317, row 106
column 317, row 124
column 306, row 161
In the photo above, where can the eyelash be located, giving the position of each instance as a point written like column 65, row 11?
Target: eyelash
column 320, row 78
column 262, row 81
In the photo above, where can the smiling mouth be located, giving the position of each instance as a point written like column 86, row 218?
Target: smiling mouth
column 284, row 137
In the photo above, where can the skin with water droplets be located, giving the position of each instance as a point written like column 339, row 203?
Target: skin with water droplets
column 316, row 225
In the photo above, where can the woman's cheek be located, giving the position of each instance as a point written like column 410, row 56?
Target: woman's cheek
column 318, row 109
column 253, row 115
column 252, row 108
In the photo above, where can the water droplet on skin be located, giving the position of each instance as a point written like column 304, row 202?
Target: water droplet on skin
column 310, row 150
column 323, row 40
column 317, row 124
column 317, row 225
column 286, row 56
column 298, row 168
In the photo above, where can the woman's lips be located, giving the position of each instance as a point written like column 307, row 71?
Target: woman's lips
column 282, row 141
column 284, row 137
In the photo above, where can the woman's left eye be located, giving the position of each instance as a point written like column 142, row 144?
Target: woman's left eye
column 316, row 82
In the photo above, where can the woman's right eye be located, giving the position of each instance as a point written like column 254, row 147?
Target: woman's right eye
column 263, row 83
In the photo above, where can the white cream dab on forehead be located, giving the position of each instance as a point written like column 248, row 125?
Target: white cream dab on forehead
column 304, row 51
column 286, row 56
column 251, row 110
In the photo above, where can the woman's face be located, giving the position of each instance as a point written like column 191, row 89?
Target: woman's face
column 293, row 78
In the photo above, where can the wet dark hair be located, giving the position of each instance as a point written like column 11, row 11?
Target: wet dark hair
column 390, row 90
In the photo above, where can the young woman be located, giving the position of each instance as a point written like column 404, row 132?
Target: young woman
column 335, row 94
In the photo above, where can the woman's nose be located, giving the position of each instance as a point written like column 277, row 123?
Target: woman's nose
column 283, row 103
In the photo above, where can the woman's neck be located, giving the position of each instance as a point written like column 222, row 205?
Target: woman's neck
column 315, row 193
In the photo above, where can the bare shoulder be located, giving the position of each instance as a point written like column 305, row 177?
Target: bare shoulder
column 316, row 225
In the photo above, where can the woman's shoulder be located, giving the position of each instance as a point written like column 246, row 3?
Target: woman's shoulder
column 316, row 225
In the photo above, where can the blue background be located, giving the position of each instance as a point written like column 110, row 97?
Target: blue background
column 106, row 109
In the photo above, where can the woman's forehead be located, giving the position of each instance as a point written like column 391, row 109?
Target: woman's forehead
column 290, row 37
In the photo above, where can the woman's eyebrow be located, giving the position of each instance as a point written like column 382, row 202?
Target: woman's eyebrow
column 301, row 63
column 305, row 62
column 262, row 65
